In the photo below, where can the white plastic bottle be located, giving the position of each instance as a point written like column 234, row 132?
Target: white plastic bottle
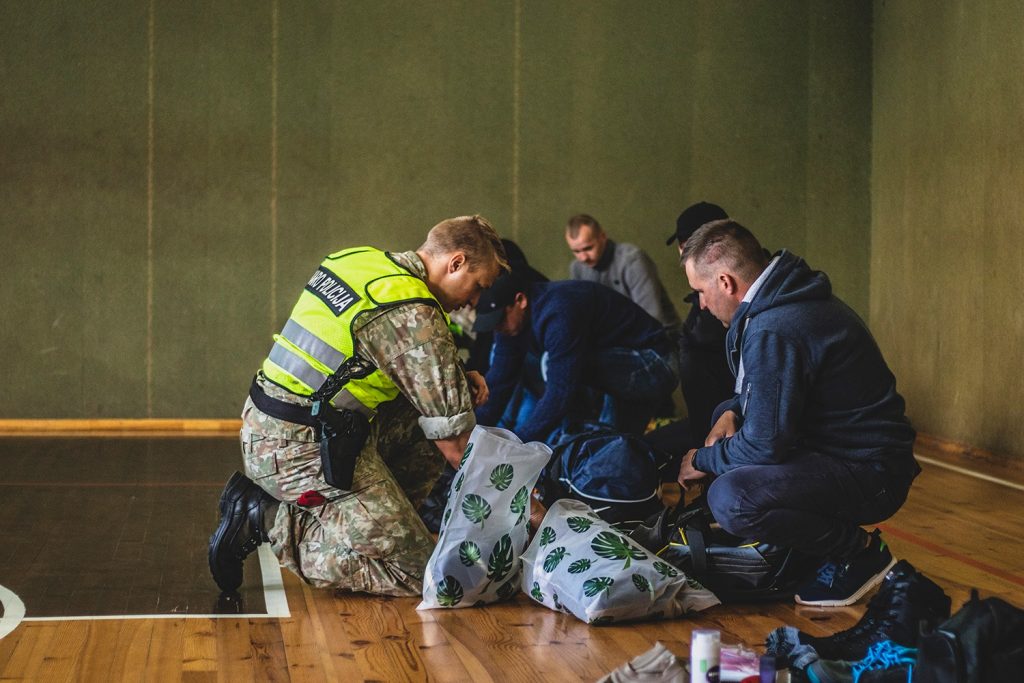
column 705, row 649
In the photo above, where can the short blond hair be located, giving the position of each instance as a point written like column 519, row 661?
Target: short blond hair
column 577, row 222
column 472, row 235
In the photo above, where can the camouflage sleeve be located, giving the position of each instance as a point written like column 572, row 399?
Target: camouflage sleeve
column 413, row 346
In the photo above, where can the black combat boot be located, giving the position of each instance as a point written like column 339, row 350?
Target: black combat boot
column 243, row 505
column 906, row 598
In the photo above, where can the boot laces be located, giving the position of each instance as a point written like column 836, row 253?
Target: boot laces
column 886, row 655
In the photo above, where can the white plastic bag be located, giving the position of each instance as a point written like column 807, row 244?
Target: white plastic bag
column 580, row 564
column 485, row 523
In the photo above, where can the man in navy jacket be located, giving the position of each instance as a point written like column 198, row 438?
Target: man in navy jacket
column 587, row 335
column 815, row 441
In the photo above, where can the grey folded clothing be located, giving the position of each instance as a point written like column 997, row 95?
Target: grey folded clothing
column 657, row 665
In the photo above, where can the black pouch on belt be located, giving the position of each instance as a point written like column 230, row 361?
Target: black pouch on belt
column 342, row 436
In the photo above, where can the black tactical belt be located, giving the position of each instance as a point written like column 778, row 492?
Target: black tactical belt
column 282, row 410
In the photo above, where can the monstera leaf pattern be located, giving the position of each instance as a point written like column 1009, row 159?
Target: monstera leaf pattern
column 579, row 524
column 507, row 590
column 611, row 546
column 547, row 535
column 641, row 583
column 501, row 476
column 535, row 592
column 476, row 509
column 465, row 454
column 499, row 564
column 592, row 587
column 469, row 553
column 477, row 560
column 579, row 566
column 449, row 592
column 553, row 558
column 694, row 583
column 665, row 569
column 518, row 505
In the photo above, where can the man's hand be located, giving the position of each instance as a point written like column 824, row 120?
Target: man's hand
column 477, row 387
column 687, row 473
column 727, row 425
column 453, row 447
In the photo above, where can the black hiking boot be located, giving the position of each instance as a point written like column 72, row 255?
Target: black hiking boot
column 905, row 598
column 241, row 530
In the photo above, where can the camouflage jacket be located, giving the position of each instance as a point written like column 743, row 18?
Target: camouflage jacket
column 413, row 346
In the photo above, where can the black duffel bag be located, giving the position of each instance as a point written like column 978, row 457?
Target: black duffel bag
column 619, row 475
column 734, row 569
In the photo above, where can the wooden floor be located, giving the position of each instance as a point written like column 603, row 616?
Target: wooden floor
column 959, row 530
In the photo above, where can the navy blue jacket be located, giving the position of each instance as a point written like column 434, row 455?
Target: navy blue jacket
column 568, row 320
column 813, row 380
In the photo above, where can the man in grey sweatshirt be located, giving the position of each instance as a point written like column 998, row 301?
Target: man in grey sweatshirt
column 626, row 268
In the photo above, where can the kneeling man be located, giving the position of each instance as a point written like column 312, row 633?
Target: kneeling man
column 815, row 441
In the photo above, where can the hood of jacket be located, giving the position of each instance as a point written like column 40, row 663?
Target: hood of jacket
column 790, row 280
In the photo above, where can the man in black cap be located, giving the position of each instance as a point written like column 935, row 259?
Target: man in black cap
column 587, row 335
column 703, row 369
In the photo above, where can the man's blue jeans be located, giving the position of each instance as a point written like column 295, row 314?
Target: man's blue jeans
column 635, row 384
column 814, row 503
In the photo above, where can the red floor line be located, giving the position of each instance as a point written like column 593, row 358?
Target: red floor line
column 944, row 550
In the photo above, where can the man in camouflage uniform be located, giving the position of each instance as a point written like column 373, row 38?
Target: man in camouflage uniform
column 368, row 538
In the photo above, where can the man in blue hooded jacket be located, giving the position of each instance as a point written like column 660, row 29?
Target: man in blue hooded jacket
column 815, row 441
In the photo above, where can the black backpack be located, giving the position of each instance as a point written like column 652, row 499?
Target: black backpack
column 982, row 643
column 734, row 569
column 617, row 474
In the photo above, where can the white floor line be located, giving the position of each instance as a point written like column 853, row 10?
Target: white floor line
column 273, row 595
column 273, row 584
column 183, row 615
column 14, row 611
column 970, row 473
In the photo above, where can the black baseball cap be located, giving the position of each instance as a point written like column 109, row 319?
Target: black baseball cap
column 490, row 307
column 694, row 217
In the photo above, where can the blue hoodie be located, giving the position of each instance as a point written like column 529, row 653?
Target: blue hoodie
column 813, row 380
column 568, row 320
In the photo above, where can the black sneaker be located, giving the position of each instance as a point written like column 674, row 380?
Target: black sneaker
column 839, row 584
column 885, row 662
column 905, row 599
column 242, row 505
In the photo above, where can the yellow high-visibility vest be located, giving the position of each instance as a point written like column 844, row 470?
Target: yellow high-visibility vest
column 317, row 338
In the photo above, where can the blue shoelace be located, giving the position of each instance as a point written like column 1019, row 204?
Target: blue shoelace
column 886, row 655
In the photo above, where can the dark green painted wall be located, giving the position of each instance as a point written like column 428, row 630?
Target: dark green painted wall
column 173, row 171
column 947, row 258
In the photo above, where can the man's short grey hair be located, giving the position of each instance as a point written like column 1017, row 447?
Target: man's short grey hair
column 725, row 243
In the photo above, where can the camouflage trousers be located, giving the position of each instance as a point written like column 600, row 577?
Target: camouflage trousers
column 369, row 539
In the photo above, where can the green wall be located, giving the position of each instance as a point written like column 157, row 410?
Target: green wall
column 947, row 258
column 173, row 171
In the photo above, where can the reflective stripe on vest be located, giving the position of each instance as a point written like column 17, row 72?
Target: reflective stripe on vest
column 318, row 335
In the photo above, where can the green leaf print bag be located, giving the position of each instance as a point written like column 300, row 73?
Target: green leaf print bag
column 580, row 564
column 485, row 523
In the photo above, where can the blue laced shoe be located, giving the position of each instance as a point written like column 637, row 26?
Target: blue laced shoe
column 837, row 584
column 886, row 662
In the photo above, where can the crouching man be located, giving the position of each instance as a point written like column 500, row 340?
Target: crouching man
column 330, row 426
column 815, row 442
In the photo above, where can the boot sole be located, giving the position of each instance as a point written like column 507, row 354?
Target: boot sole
column 868, row 585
